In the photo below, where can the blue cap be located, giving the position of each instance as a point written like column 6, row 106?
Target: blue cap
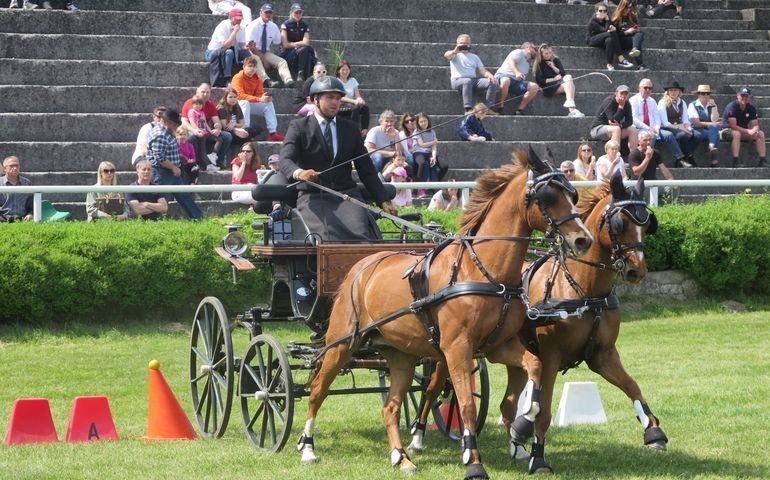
column 744, row 91
column 296, row 7
column 266, row 8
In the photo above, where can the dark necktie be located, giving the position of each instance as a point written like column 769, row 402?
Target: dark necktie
column 329, row 139
column 264, row 38
column 646, row 113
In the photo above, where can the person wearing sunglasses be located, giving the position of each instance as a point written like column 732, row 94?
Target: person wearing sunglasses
column 704, row 117
column 303, row 97
column 244, row 168
column 585, row 162
column 106, row 205
column 626, row 22
column 567, row 167
column 603, row 34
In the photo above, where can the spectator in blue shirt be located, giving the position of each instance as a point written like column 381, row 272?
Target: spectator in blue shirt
column 14, row 206
column 471, row 129
column 163, row 154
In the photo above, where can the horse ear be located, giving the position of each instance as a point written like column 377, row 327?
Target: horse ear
column 535, row 164
column 548, row 157
column 639, row 189
column 619, row 192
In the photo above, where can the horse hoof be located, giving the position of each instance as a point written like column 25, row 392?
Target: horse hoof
column 308, row 457
column 475, row 471
column 519, row 453
column 660, row 446
column 655, row 438
column 539, row 465
column 408, row 468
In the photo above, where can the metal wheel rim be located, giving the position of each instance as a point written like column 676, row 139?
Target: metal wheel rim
column 265, row 388
column 480, row 395
column 211, row 368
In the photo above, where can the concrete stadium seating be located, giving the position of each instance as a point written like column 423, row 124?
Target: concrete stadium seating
column 75, row 88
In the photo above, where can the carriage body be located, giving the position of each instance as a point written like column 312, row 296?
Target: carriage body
column 305, row 275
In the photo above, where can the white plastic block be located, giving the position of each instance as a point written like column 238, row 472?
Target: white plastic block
column 580, row 404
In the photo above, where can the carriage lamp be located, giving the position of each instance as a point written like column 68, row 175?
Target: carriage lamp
column 434, row 227
column 234, row 242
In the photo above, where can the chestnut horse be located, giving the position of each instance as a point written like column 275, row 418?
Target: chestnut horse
column 618, row 221
column 471, row 299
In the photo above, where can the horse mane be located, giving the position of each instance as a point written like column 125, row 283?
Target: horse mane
column 488, row 188
column 589, row 198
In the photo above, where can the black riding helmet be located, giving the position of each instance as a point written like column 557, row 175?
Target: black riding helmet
column 327, row 84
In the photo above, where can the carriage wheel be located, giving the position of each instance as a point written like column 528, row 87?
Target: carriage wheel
column 410, row 409
column 267, row 396
column 446, row 411
column 211, row 367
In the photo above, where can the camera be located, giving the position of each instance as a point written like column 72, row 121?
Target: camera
column 463, row 48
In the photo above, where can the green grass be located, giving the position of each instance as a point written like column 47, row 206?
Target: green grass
column 706, row 376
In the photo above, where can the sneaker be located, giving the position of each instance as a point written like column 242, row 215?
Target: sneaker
column 14, row 4
column 212, row 168
column 610, row 67
column 683, row 163
column 29, row 6
column 212, row 157
column 650, row 12
column 576, row 114
column 678, row 16
column 642, row 68
column 625, row 64
column 271, row 83
column 47, row 5
column 72, row 8
column 520, row 112
column 634, row 52
column 275, row 137
column 569, row 104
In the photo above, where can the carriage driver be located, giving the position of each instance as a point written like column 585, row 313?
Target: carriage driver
column 318, row 142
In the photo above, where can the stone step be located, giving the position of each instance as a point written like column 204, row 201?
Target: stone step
column 755, row 68
column 705, row 35
column 728, row 58
column 701, row 47
column 112, row 99
column 336, row 28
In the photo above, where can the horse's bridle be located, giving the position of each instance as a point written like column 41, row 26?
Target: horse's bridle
column 639, row 213
column 533, row 195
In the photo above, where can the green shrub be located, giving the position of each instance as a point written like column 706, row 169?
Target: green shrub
column 74, row 270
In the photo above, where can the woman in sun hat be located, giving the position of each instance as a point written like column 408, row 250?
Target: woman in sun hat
column 706, row 121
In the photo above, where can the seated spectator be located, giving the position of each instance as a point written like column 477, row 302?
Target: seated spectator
column 673, row 118
column 647, row 118
column 614, row 120
column 408, row 142
column 704, row 116
column 353, row 104
column 233, row 122
column 626, row 21
column 512, row 76
column 101, row 205
column 226, row 48
column 224, row 7
column 261, row 34
column 467, row 73
column 403, row 197
column 585, row 162
column 568, row 169
column 295, row 44
column 471, row 129
column 603, row 34
column 146, row 205
column 382, row 141
column 645, row 161
column 253, row 98
column 742, row 119
column 552, row 79
column 244, row 168
column 663, row 5
column 215, row 127
column 14, row 206
column 303, row 98
column 143, row 138
column 396, row 162
column 190, row 170
column 200, row 127
column 428, row 167
column 443, row 200
column 610, row 162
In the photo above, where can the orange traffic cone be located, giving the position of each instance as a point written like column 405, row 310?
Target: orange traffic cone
column 165, row 418
column 90, row 419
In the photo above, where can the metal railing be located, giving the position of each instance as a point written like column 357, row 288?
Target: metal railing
column 655, row 187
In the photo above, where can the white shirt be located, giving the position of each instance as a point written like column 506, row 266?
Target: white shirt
column 142, row 141
column 223, row 30
column 638, row 110
column 604, row 162
column 254, row 32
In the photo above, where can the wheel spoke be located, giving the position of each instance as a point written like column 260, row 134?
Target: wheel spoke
column 255, row 417
column 202, row 329
column 204, row 396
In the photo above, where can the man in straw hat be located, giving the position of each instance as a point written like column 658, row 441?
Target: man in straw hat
column 742, row 119
column 704, row 116
column 163, row 154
